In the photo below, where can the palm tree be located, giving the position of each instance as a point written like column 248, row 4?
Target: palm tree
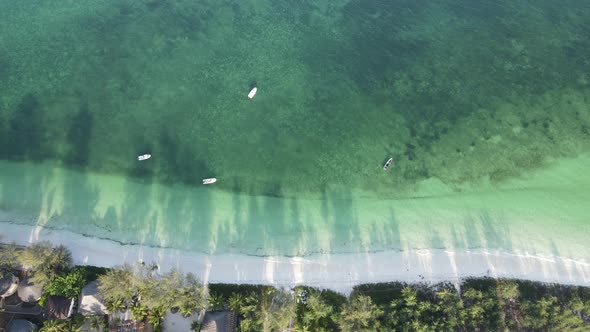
column 171, row 284
column 190, row 296
column 117, row 285
column 158, row 292
column 360, row 314
column 541, row 314
column 138, row 311
column 317, row 312
column 480, row 310
column 282, row 311
column 60, row 259
column 155, row 318
column 54, row 325
column 186, row 311
column 116, row 305
column 8, row 257
column 45, row 261
column 450, row 306
column 95, row 323
column 235, row 302
column 216, row 302
column 251, row 314
column 75, row 324
column 508, row 291
column 276, row 310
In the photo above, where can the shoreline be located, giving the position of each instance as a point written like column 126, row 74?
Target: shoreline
column 543, row 212
column 338, row 272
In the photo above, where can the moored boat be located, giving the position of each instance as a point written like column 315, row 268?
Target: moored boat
column 388, row 163
column 144, row 157
column 209, row 181
column 252, row 92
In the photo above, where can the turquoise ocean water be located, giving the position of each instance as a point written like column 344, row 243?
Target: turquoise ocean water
column 484, row 106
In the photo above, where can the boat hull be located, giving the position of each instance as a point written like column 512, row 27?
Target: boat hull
column 252, row 93
column 387, row 164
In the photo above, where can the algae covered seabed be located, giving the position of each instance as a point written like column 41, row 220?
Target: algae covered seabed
column 485, row 107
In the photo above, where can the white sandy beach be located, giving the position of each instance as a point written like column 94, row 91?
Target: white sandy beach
column 338, row 272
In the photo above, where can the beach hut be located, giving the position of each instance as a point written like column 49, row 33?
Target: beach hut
column 8, row 285
column 59, row 307
column 91, row 304
column 28, row 291
column 21, row 325
column 220, row 321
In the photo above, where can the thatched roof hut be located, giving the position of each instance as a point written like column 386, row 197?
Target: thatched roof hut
column 29, row 292
column 8, row 285
column 59, row 307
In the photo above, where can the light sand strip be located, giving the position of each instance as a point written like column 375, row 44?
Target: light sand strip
column 339, row 272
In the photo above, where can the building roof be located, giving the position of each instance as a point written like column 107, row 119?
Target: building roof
column 29, row 292
column 21, row 325
column 58, row 307
column 8, row 285
column 91, row 304
column 219, row 321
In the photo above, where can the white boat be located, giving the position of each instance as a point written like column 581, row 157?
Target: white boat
column 388, row 163
column 209, row 181
column 252, row 92
column 144, row 157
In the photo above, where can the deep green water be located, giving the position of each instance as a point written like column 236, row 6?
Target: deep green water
column 455, row 91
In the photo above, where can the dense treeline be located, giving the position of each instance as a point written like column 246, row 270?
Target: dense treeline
column 149, row 294
column 480, row 305
column 475, row 305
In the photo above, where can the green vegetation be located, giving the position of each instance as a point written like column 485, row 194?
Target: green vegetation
column 45, row 261
column 480, row 304
column 54, row 325
column 316, row 314
column 116, row 286
column 68, row 285
column 360, row 314
column 51, row 267
column 268, row 310
column 42, row 260
column 8, row 258
column 148, row 294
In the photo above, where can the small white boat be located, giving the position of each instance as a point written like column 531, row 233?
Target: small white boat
column 388, row 163
column 209, row 181
column 252, row 92
column 144, row 157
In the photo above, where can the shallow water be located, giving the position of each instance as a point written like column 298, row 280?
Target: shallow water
column 468, row 95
